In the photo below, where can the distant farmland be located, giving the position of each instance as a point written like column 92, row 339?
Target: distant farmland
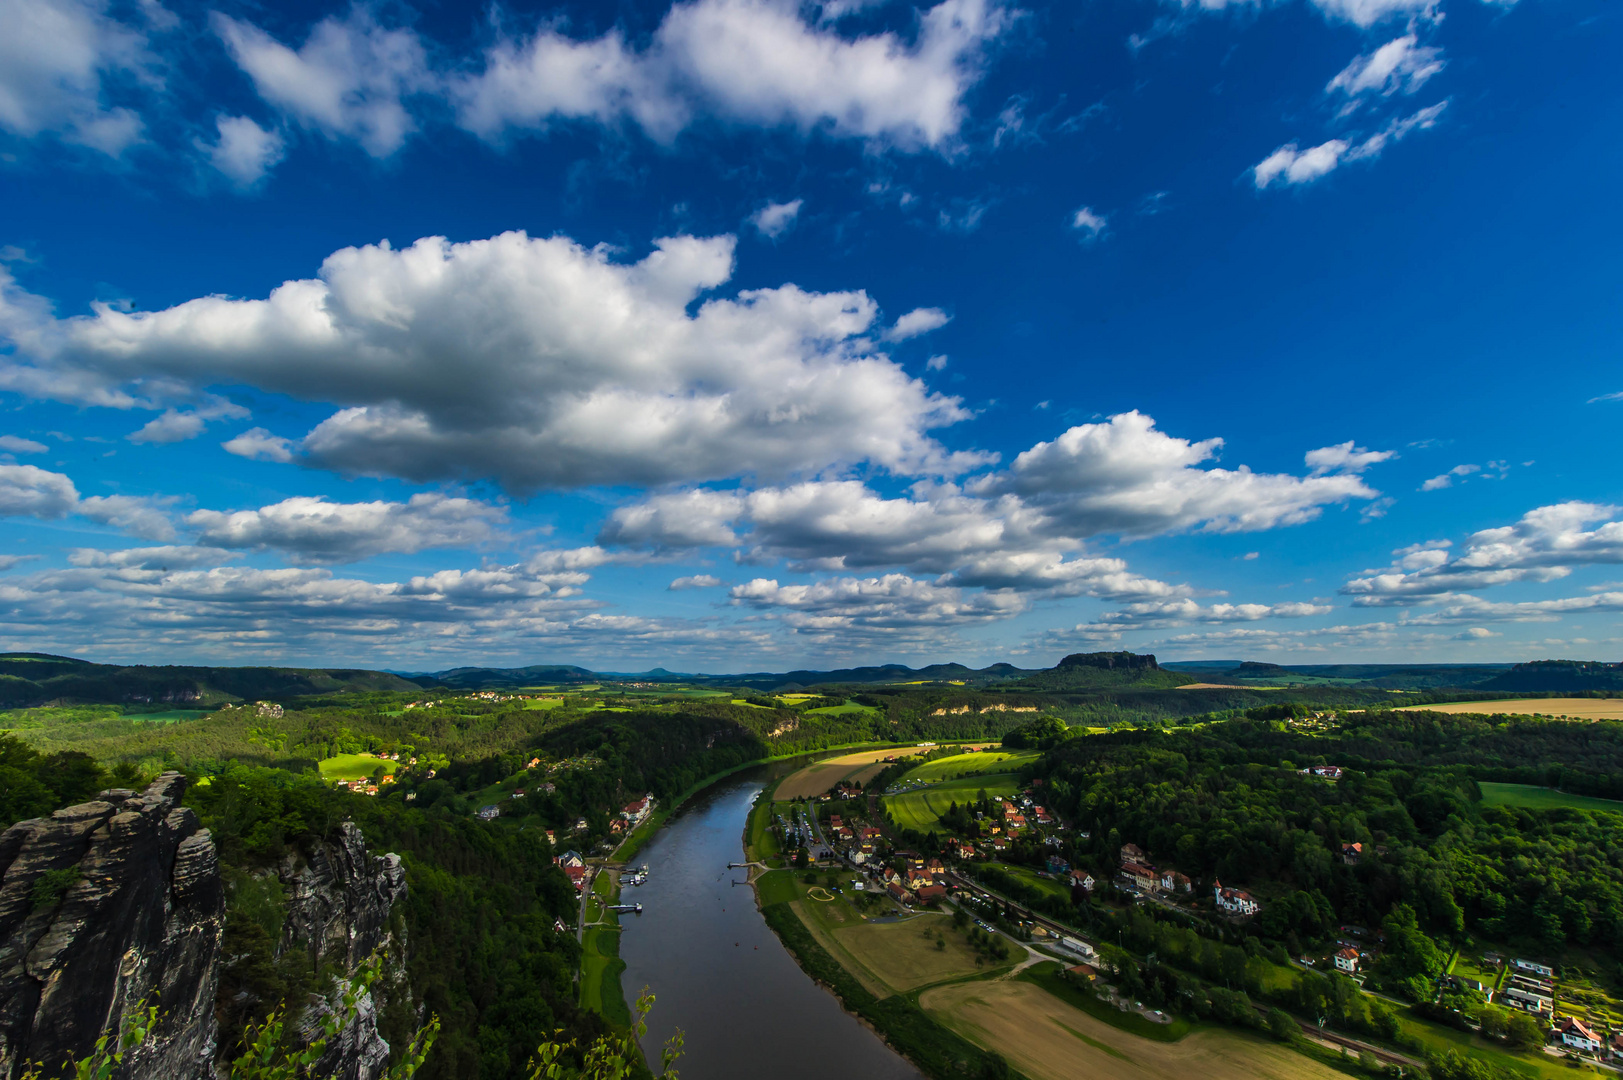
column 1573, row 708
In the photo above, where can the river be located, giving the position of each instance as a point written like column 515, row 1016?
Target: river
column 744, row 1006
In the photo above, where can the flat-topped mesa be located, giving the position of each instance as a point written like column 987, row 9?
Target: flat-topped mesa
column 1125, row 661
column 104, row 906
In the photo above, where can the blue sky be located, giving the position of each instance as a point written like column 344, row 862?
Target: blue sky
column 741, row 334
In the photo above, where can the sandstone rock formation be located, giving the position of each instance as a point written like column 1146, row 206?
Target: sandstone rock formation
column 105, row 906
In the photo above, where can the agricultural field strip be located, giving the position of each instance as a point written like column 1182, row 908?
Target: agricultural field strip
column 1541, row 798
column 1048, row 1039
column 921, row 810
column 1573, row 708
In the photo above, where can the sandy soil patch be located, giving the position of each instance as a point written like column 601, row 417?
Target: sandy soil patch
column 1217, row 686
column 1571, row 707
column 1049, row 1040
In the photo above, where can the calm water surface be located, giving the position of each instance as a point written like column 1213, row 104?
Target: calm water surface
column 720, row 974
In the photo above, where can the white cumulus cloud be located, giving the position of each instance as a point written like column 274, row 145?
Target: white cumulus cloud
column 538, row 362
column 257, row 444
column 916, row 322
column 1545, row 545
column 1402, row 65
column 349, row 79
column 243, row 152
column 55, row 56
column 315, row 531
column 774, row 219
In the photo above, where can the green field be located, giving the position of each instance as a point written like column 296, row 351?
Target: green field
column 353, row 766
column 776, row 886
column 600, row 967
column 1030, row 878
column 982, row 762
column 1542, row 798
column 922, row 810
column 838, row 710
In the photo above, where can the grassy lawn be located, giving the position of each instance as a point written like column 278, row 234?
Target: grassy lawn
column 353, row 766
column 1438, row 1038
column 544, row 703
column 1028, row 876
column 167, row 716
column 777, row 886
column 922, row 810
column 600, row 963
column 1542, row 798
column 985, row 761
column 838, row 710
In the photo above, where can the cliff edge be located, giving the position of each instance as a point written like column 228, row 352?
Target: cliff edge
column 103, row 906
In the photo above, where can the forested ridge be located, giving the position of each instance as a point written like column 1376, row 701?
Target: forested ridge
column 1228, row 802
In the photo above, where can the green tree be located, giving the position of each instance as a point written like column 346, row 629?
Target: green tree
column 1281, row 1026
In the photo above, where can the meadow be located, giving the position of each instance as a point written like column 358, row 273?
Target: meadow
column 354, row 766
column 1542, row 798
column 972, row 764
column 922, row 810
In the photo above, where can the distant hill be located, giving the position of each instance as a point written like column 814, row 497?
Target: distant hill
column 1557, row 676
column 1103, row 671
column 28, row 679
column 1371, row 676
column 479, row 678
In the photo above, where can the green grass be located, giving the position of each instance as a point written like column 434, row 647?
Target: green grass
column 544, row 703
column 1027, row 876
column 838, row 710
column 1438, row 1038
column 1542, row 798
column 353, row 766
column 984, row 761
column 600, row 963
column 167, row 716
column 777, row 886
column 1046, row 975
column 922, row 810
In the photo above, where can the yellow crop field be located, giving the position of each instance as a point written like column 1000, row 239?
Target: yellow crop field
column 1049, row 1040
column 1573, row 708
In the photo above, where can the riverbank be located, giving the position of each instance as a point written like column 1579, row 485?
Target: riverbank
column 601, row 965
column 935, row 1049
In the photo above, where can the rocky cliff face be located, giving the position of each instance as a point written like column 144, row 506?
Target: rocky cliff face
column 338, row 904
column 104, row 906
column 118, row 902
column 1118, row 660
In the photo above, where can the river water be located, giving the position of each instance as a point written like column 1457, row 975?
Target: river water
column 745, row 1008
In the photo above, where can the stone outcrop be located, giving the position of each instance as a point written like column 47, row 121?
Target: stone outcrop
column 105, row 906
column 338, row 905
column 118, row 902
column 338, row 901
column 1118, row 660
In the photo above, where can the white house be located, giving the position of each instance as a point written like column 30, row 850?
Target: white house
column 637, row 812
column 1347, row 960
column 1576, row 1034
column 1235, row 901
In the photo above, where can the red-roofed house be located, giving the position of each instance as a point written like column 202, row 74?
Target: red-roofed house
column 1347, row 960
column 1235, row 901
column 1578, row 1035
column 1139, row 874
column 637, row 812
